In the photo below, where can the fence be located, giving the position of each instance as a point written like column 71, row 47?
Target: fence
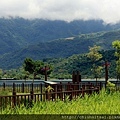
column 21, row 88
column 39, row 88
column 26, row 88
column 60, row 91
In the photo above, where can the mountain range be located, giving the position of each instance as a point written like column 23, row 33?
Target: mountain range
column 43, row 39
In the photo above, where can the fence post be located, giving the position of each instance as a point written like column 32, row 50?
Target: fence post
column 83, row 90
column 61, row 87
column 31, row 86
column 90, row 88
column 22, row 87
column 49, row 95
column 3, row 86
column 78, row 83
column 13, row 86
column 14, row 98
column 41, row 88
column 53, row 92
column 100, row 85
column 60, row 94
column 71, row 94
column 46, row 94
column 31, row 92
column 73, row 77
column 78, row 77
column 41, row 92
column 32, row 97
column 68, row 86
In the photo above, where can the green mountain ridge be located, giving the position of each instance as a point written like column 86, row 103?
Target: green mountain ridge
column 43, row 39
column 17, row 33
column 60, row 48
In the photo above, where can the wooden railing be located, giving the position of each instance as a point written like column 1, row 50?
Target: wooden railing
column 22, row 88
column 26, row 88
column 60, row 91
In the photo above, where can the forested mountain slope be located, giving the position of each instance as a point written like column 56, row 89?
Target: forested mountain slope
column 63, row 67
column 16, row 33
column 60, row 48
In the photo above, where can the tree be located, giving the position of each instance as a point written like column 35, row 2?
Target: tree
column 116, row 45
column 94, row 56
column 35, row 67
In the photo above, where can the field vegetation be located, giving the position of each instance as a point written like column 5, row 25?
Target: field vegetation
column 103, row 103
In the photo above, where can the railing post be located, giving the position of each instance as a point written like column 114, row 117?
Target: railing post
column 41, row 91
column 78, row 77
column 90, row 88
column 77, row 85
column 22, row 87
column 49, row 95
column 53, row 92
column 41, row 88
column 83, row 90
column 68, row 86
column 73, row 77
column 4, row 86
column 14, row 99
column 60, row 95
column 32, row 95
column 13, row 86
column 32, row 98
column 71, row 94
column 61, row 86
column 46, row 94
column 31, row 86
column 100, row 85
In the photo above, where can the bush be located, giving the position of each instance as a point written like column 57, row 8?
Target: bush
column 110, row 87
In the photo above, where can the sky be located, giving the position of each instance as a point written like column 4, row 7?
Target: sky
column 68, row 10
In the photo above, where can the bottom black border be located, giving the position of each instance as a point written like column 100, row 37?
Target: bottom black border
column 60, row 117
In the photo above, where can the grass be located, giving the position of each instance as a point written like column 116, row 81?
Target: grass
column 7, row 91
column 102, row 103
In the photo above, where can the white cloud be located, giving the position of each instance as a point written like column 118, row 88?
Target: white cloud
column 107, row 10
